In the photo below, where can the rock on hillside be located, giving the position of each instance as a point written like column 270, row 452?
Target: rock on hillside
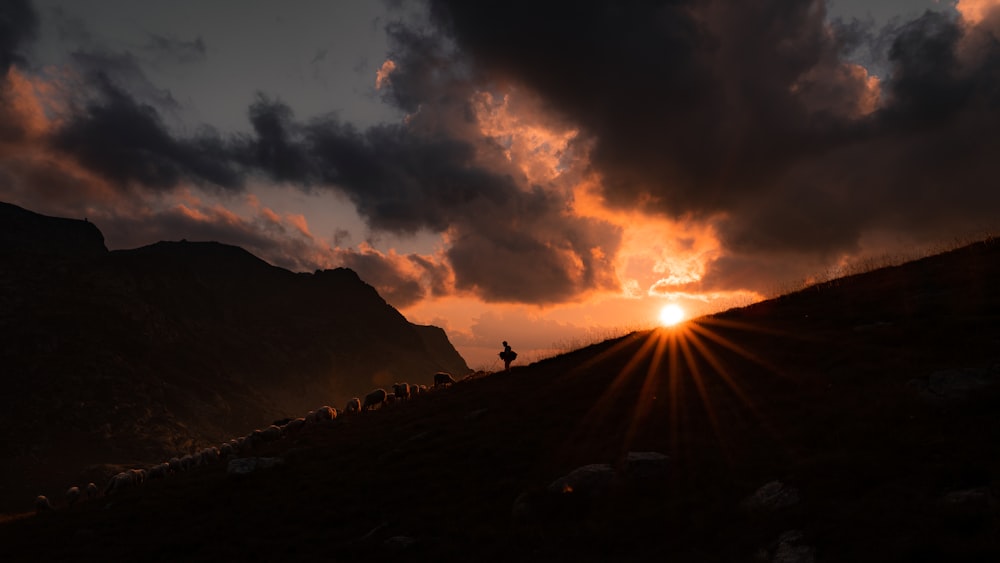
column 136, row 355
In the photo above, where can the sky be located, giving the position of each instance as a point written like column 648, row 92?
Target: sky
column 551, row 174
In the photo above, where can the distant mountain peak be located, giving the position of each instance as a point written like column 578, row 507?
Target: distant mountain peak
column 28, row 232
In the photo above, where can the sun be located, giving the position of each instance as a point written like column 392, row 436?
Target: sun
column 671, row 314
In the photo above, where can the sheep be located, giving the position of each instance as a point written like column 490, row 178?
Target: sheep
column 72, row 495
column 374, row 399
column 249, row 442
column 159, row 471
column 390, row 399
column 326, row 414
column 92, row 491
column 42, row 504
column 188, row 462
column 138, row 476
column 271, row 433
column 443, row 378
column 175, row 465
column 120, row 482
column 226, row 450
column 402, row 391
column 293, row 425
column 354, row 405
column 209, row 455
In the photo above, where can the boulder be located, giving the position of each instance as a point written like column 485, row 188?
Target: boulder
column 793, row 549
column 772, row 496
column 590, row 480
column 958, row 383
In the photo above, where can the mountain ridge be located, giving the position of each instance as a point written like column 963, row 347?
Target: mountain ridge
column 170, row 346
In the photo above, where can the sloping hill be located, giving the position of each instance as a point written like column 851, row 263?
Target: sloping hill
column 852, row 421
column 132, row 356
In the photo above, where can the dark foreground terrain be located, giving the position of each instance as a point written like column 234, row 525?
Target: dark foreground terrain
column 868, row 408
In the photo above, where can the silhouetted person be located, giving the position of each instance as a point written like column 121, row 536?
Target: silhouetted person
column 507, row 356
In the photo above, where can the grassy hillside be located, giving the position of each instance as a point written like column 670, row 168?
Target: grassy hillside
column 873, row 400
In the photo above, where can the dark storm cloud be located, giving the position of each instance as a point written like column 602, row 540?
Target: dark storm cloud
column 398, row 180
column 18, row 26
column 924, row 164
column 435, row 274
column 508, row 240
column 127, row 142
column 124, row 72
column 277, row 147
column 684, row 99
column 747, row 113
column 405, row 181
column 940, row 70
column 541, row 259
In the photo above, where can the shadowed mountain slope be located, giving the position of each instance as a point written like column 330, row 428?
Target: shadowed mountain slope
column 133, row 356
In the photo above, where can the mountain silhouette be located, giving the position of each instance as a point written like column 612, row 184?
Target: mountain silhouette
column 137, row 355
column 854, row 420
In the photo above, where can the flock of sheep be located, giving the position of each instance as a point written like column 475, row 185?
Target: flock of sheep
column 132, row 478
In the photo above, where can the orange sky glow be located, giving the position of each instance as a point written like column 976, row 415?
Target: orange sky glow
column 657, row 259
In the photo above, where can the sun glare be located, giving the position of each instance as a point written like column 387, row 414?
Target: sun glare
column 671, row 314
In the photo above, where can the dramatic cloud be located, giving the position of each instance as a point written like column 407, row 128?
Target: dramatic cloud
column 128, row 143
column 693, row 106
column 747, row 115
column 510, row 231
column 18, row 26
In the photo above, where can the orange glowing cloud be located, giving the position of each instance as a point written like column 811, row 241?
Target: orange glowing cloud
column 23, row 96
column 655, row 251
column 657, row 256
column 843, row 89
column 538, row 149
column 975, row 11
column 298, row 221
column 263, row 211
column 383, row 73
column 215, row 214
column 39, row 177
